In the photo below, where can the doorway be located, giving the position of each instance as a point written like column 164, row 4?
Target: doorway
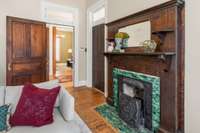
column 96, row 62
column 51, row 14
column 61, row 54
column 98, row 66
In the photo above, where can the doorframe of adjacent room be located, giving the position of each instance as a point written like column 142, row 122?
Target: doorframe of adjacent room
column 53, row 38
column 90, row 24
column 75, row 11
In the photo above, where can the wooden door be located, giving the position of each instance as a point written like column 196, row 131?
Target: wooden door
column 27, row 56
column 98, row 38
column 54, row 51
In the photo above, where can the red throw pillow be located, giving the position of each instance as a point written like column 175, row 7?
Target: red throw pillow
column 35, row 107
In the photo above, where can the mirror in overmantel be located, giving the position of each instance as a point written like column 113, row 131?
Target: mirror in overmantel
column 138, row 33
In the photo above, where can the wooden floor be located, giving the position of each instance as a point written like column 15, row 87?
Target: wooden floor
column 86, row 100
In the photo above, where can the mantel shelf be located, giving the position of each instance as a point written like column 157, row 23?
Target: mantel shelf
column 140, row 54
column 163, row 31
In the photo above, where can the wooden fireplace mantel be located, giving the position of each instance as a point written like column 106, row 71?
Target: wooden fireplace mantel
column 140, row 54
column 167, row 24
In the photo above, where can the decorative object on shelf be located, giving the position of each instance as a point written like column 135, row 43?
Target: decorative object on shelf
column 118, row 41
column 125, row 40
column 149, row 46
column 121, row 41
column 110, row 46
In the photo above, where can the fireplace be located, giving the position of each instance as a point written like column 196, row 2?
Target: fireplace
column 137, row 99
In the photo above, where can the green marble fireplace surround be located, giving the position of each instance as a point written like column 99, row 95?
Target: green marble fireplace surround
column 153, row 80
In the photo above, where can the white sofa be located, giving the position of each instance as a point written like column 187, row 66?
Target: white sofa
column 66, row 120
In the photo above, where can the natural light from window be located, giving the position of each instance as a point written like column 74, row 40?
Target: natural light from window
column 57, row 49
column 58, row 14
column 61, row 16
column 99, row 14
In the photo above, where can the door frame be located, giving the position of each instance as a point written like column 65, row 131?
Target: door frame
column 75, row 11
column 90, row 24
column 54, row 51
column 53, row 40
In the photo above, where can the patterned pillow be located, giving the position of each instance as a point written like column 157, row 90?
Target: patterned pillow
column 5, row 112
column 35, row 107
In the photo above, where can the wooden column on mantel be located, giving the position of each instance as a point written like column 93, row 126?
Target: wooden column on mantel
column 167, row 25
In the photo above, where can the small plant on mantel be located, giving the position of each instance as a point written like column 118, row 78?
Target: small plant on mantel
column 125, row 40
column 122, row 35
column 119, row 35
column 121, row 40
column 118, row 42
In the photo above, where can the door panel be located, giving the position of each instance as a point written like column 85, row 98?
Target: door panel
column 26, row 51
column 37, row 40
column 21, row 79
column 21, row 67
column 54, row 52
column 19, row 40
column 98, row 56
column 47, row 58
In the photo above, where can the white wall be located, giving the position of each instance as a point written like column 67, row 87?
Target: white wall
column 31, row 9
column 90, row 2
column 121, row 8
column 192, row 56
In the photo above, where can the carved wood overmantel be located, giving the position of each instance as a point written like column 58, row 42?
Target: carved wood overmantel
column 167, row 23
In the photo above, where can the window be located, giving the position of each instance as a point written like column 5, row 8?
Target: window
column 57, row 49
column 99, row 14
column 58, row 14
column 65, row 17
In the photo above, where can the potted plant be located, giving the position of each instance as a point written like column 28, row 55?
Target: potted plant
column 118, row 41
column 125, row 40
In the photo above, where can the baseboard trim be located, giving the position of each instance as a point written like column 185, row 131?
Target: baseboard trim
column 82, row 83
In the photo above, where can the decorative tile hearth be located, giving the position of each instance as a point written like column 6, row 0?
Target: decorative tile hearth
column 111, row 115
column 153, row 81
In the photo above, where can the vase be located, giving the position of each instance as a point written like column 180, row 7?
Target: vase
column 125, row 43
column 118, row 42
column 149, row 46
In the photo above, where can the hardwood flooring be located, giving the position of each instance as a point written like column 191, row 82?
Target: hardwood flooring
column 86, row 100
column 63, row 74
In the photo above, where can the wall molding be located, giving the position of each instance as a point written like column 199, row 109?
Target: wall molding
column 82, row 83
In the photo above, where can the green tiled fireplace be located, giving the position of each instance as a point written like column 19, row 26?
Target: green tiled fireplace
column 155, row 83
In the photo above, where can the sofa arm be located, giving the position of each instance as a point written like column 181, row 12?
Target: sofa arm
column 67, row 105
column 2, row 95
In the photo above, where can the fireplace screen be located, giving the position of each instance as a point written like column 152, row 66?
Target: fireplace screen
column 137, row 99
column 135, row 103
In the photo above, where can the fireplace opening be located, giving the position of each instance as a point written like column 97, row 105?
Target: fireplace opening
column 136, row 97
column 135, row 103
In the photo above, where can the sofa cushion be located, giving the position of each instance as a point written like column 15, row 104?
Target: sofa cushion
column 67, row 105
column 2, row 90
column 13, row 93
column 35, row 107
column 12, row 96
column 58, row 126
column 49, row 85
column 4, row 117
